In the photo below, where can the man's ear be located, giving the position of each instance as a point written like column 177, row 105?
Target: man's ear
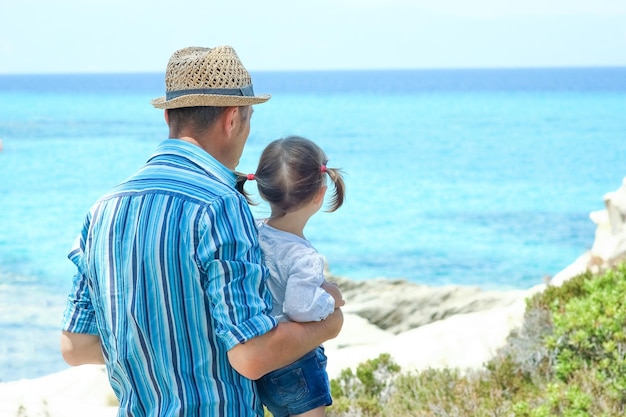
column 166, row 115
column 229, row 119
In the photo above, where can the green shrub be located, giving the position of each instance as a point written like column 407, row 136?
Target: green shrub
column 568, row 359
column 572, row 288
column 590, row 332
column 366, row 391
column 525, row 360
column 446, row 392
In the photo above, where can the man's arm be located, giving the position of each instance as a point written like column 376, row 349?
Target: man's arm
column 282, row 345
column 81, row 349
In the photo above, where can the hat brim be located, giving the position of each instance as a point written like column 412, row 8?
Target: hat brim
column 198, row 100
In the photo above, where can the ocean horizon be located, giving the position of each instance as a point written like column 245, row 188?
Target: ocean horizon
column 481, row 177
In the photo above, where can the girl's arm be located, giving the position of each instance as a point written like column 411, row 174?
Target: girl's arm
column 305, row 299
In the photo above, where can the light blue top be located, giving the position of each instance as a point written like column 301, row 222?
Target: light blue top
column 170, row 276
column 296, row 276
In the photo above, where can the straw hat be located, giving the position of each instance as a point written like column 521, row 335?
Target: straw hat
column 207, row 77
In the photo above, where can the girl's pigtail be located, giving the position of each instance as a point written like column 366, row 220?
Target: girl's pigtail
column 241, row 181
column 337, row 198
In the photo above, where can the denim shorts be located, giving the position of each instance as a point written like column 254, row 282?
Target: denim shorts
column 297, row 388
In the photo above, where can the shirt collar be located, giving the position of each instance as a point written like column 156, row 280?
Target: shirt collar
column 198, row 156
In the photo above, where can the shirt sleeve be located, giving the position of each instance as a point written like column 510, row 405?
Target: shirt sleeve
column 79, row 315
column 230, row 255
column 305, row 300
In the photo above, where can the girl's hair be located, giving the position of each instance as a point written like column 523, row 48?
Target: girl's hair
column 291, row 172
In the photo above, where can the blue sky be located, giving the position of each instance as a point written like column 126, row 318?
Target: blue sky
column 67, row 36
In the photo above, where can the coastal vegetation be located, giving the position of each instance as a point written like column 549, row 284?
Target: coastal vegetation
column 567, row 359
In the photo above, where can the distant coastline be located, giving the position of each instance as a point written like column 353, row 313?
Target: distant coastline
column 600, row 78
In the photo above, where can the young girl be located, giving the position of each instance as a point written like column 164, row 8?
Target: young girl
column 292, row 176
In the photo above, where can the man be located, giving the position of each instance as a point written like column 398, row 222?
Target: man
column 170, row 290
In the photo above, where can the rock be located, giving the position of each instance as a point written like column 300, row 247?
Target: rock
column 610, row 239
column 75, row 392
column 609, row 246
column 463, row 341
column 357, row 331
column 397, row 305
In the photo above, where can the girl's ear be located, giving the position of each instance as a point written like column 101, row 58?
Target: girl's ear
column 319, row 198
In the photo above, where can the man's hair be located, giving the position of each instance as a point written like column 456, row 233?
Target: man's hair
column 196, row 119
column 200, row 118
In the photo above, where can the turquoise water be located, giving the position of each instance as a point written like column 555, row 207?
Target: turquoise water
column 453, row 177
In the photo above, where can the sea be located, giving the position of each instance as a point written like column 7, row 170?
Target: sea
column 477, row 177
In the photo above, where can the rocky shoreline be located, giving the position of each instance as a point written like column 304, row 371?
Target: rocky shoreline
column 423, row 327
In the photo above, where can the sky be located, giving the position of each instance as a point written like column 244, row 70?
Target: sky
column 87, row 36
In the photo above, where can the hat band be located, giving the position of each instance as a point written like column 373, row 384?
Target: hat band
column 246, row 91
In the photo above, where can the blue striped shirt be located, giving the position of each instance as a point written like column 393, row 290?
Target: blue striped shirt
column 170, row 277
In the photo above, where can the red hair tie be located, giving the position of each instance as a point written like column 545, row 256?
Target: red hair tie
column 323, row 168
column 250, row 177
